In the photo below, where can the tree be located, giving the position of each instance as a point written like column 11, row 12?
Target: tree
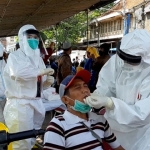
column 72, row 29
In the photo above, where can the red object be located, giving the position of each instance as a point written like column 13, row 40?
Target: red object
column 59, row 110
column 39, row 81
column 83, row 74
column 106, row 146
column 45, row 59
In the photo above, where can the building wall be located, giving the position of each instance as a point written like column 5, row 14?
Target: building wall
column 4, row 42
column 11, row 44
column 113, row 28
column 131, row 3
column 109, row 28
column 147, row 21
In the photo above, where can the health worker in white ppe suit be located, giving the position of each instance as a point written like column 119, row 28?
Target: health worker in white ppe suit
column 24, row 78
column 124, row 89
column 2, row 86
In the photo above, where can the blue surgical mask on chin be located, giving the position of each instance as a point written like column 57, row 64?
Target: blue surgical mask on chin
column 33, row 43
column 79, row 106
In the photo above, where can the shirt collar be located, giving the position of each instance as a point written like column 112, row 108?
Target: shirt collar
column 73, row 119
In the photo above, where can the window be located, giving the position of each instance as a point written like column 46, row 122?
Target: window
column 110, row 26
column 105, row 28
column 148, row 15
column 119, row 24
column 114, row 25
column 102, row 28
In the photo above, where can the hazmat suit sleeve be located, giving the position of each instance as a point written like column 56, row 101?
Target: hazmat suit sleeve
column 135, row 115
column 106, row 80
column 20, row 69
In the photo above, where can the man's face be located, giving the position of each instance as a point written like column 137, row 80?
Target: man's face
column 78, row 90
column 32, row 36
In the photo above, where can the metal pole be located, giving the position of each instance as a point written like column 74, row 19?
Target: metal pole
column 143, row 17
column 124, row 17
column 98, row 34
column 56, row 40
column 87, row 27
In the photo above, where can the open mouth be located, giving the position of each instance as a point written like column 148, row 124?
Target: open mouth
column 85, row 96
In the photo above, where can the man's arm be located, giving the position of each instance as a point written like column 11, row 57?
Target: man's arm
column 110, row 138
column 21, row 69
column 54, row 136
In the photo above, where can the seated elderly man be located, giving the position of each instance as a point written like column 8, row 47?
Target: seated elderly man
column 72, row 129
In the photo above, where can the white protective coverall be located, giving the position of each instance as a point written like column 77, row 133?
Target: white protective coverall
column 130, row 92
column 23, row 110
column 2, row 87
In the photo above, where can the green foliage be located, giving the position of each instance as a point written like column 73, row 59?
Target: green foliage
column 16, row 39
column 73, row 29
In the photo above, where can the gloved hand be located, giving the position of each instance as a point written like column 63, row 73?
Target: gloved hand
column 97, row 101
column 46, row 71
column 49, row 81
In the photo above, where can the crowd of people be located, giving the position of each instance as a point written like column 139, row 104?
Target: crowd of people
column 106, row 98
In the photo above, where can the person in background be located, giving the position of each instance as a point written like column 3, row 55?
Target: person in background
column 101, row 60
column 53, row 65
column 17, row 45
column 64, row 64
column 5, row 55
column 2, row 86
column 84, row 59
column 67, row 131
column 76, row 62
column 80, row 67
column 123, row 89
column 73, row 70
column 73, row 62
column 92, row 54
column 25, row 76
column 50, row 50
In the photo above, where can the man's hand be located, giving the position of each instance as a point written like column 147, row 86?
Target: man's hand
column 46, row 71
column 97, row 101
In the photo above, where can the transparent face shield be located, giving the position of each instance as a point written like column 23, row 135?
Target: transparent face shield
column 128, row 75
column 42, row 47
column 32, row 34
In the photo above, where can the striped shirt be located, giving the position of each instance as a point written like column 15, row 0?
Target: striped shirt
column 66, row 132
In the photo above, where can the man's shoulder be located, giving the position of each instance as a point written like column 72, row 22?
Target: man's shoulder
column 64, row 56
column 58, row 120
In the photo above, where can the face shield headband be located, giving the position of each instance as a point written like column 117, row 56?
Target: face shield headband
column 32, row 31
column 127, row 57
